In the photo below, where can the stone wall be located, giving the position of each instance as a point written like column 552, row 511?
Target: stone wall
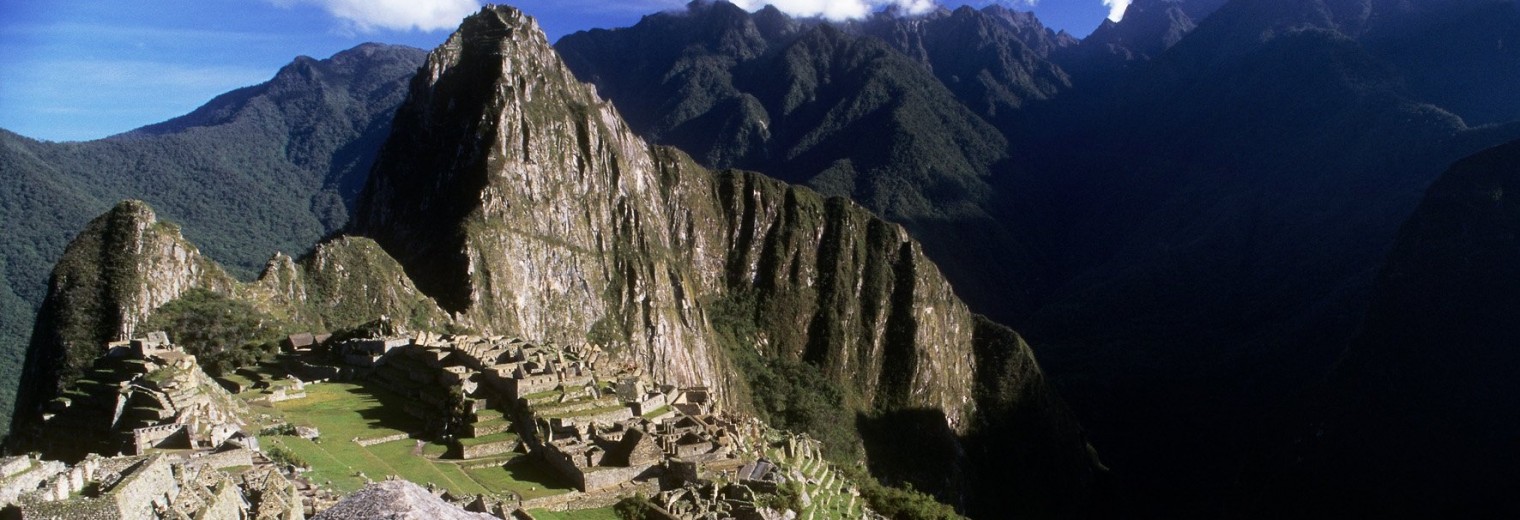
column 151, row 481
column 282, row 395
column 481, row 429
column 602, row 477
column 310, row 372
column 37, row 472
column 576, row 500
column 225, row 459
column 150, row 437
column 382, row 440
column 10, row 466
column 104, row 508
column 488, row 449
column 226, row 504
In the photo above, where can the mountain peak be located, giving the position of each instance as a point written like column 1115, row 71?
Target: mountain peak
column 519, row 200
column 359, row 69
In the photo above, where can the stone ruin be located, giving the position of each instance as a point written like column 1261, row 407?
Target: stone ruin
column 179, row 439
column 602, row 426
column 599, row 426
column 141, row 395
column 234, row 484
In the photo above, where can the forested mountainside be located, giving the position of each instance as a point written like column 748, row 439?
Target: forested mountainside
column 1194, row 198
column 271, row 167
column 824, row 105
column 1416, row 418
column 518, row 200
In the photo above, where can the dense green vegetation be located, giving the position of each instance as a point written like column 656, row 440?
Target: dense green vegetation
column 267, row 168
column 794, row 395
column 787, row 393
column 903, row 503
column 223, row 333
column 637, row 507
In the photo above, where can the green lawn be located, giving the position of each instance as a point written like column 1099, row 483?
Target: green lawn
column 343, row 411
column 605, row 513
column 523, row 477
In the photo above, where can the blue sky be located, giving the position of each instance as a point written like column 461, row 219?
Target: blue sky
column 84, row 69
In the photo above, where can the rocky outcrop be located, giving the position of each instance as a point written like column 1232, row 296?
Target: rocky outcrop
column 127, row 263
column 396, row 500
column 556, row 221
column 344, row 282
column 122, row 266
column 520, row 201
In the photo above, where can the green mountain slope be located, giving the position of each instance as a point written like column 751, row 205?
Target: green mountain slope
column 272, row 167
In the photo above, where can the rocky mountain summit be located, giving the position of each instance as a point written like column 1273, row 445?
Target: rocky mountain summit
column 510, row 197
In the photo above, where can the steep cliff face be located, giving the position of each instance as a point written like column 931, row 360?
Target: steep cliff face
column 122, row 266
column 522, row 202
column 519, row 200
column 556, row 221
column 849, row 114
column 840, row 288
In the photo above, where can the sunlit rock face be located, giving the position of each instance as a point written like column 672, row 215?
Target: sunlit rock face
column 521, row 201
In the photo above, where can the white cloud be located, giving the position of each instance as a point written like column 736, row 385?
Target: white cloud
column 399, row 15
column 838, row 9
column 1116, row 8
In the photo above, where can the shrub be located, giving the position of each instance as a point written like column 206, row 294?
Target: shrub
column 223, row 333
column 282, row 455
column 637, row 507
